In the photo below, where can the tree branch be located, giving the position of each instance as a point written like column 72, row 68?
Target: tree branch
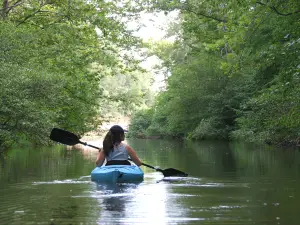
column 42, row 4
column 188, row 9
column 29, row 16
column 19, row 2
column 34, row 13
column 276, row 11
column 73, row 94
column 4, row 7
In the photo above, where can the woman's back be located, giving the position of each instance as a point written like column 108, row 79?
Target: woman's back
column 118, row 153
column 114, row 151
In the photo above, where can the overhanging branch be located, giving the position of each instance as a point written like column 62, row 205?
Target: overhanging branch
column 189, row 9
column 19, row 2
column 276, row 10
column 204, row 15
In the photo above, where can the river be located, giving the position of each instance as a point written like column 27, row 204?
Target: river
column 228, row 183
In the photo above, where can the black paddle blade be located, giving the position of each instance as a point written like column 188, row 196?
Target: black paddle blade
column 170, row 172
column 64, row 137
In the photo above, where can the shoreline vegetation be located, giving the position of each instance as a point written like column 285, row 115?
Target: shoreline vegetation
column 231, row 71
column 137, row 129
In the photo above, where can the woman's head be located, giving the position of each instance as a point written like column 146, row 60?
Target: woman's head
column 114, row 136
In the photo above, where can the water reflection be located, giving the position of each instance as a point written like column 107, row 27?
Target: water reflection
column 150, row 202
column 111, row 196
column 131, row 203
column 149, row 206
column 228, row 184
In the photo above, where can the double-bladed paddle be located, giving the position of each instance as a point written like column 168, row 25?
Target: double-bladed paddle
column 68, row 138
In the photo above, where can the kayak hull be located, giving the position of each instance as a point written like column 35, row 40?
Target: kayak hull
column 117, row 174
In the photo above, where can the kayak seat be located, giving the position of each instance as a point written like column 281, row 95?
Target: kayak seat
column 117, row 162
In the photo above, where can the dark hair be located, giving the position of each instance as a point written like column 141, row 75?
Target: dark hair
column 113, row 137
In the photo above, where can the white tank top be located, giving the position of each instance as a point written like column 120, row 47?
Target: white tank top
column 118, row 153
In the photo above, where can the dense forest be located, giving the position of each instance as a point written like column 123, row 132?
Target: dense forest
column 68, row 64
column 232, row 73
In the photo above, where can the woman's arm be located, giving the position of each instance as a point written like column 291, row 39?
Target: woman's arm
column 133, row 155
column 100, row 158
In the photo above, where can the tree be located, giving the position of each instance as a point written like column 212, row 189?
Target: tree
column 234, row 70
column 54, row 56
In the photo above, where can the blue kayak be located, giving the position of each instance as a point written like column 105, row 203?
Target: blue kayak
column 117, row 174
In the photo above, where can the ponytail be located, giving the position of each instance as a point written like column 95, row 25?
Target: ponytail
column 108, row 143
column 114, row 136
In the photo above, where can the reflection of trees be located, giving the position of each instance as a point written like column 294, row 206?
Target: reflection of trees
column 262, row 180
column 156, row 152
column 50, row 201
column 211, row 158
column 216, row 158
column 273, row 177
column 65, row 210
column 65, row 206
column 256, row 161
column 44, row 164
column 2, row 162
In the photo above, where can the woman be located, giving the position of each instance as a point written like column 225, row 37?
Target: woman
column 115, row 151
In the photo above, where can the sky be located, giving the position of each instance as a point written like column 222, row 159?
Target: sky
column 154, row 27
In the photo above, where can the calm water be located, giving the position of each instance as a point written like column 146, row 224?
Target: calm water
column 228, row 184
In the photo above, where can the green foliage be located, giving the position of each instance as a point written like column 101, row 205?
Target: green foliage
column 56, row 59
column 140, row 123
column 125, row 93
column 235, row 71
column 207, row 129
column 159, row 125
column 274, row 115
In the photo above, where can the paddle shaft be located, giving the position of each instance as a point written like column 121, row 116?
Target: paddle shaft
column 144, row 164
column 152, row 167
column 86, row 144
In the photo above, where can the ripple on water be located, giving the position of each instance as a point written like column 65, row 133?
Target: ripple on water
column 68, row 181
column 198, row 182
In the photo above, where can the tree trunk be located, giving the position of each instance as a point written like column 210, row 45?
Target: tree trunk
column 4, row 8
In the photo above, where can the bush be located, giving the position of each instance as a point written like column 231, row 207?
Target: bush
column 140, row 123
